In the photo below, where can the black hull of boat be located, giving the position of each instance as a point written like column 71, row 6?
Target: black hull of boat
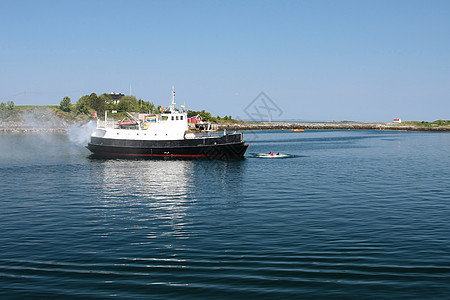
column 228, row 146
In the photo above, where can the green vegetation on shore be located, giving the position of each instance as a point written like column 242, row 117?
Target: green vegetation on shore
column 437, row 123
column 17, row 113
column 88, row 104
column 207, row 117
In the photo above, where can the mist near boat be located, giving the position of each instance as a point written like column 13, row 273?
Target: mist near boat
column 42, row 118
column 46, row 124
column 80, row 135
column 42, row 134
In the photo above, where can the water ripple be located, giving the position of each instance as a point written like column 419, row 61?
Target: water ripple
column 360, row 214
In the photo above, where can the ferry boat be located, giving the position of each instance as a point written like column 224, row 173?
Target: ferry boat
column 161, row 135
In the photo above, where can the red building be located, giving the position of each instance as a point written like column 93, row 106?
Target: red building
column 194, row 119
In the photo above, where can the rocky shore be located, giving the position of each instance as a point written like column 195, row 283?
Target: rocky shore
column 27, row 128
column 328, row 125
column 27, row 131
column 35, row 121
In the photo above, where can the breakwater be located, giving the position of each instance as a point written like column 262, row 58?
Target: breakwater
column 327, row 125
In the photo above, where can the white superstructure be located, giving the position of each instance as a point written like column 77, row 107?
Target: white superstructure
column 169, row 125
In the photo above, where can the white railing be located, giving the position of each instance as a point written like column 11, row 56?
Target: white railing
column 109, row 123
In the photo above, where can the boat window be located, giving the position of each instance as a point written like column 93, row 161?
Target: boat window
column 181, row 118
column 177, row 118
column 172, row 118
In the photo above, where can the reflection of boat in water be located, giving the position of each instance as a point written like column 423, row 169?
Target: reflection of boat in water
column 158, row 194
column 272, row 155
column 154, row 192
column 297, row 130
column 162, row 135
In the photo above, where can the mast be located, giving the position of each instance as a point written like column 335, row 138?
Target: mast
column 172, row 105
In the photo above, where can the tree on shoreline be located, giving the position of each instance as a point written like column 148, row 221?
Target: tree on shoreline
column 97, row 103
column 7, row 109
column 104, row 102
column 65, row 104
column 82, row 106
column 128, row 103
column 207, row 117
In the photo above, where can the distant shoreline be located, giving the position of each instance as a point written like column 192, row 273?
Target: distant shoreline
column 28, row 120
column 15, row 128
column 328, row 125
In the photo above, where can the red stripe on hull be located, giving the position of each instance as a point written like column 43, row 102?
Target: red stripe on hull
column 152, row 155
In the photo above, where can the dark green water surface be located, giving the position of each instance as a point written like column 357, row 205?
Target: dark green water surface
column 355, row 214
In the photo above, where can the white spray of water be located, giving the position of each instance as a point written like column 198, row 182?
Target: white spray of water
column 41, row 119
column 44, row 122
column 41, row 123
column 80, row 135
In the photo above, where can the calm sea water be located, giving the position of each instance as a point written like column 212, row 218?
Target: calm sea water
column 355, row 214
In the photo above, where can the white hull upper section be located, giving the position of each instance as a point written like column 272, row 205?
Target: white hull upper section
column 170, row 126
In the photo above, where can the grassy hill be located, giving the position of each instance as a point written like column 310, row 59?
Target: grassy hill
column 44, row 113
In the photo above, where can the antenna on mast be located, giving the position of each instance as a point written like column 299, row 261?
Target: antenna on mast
column 173, row 95
column 172, row 105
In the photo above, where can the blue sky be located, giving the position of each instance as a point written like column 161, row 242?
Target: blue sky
column 317, row 60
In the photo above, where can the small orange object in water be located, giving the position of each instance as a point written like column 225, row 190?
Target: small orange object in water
column 298, row 129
